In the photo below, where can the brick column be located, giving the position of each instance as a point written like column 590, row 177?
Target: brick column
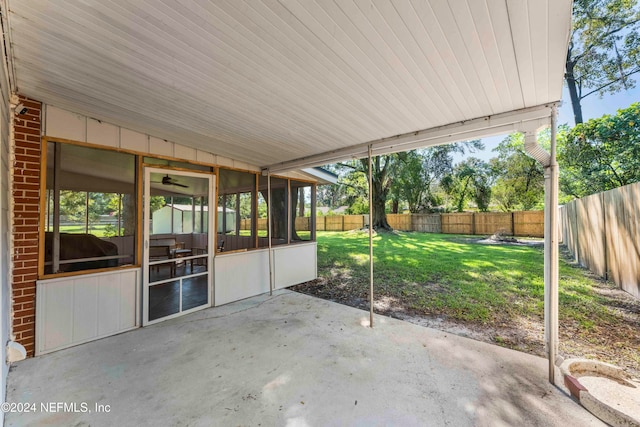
column 26, row 217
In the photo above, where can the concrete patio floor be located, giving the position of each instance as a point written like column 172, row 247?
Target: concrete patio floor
column 290, row 360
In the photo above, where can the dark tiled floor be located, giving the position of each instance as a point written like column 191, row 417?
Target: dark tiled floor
column 163, row 271
column 164, row 299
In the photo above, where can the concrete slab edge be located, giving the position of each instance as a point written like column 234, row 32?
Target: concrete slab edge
column 579, row 392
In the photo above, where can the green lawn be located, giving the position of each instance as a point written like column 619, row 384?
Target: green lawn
column 456, row 278
column 96, row 230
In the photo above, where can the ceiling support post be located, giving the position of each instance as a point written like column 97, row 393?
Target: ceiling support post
column 551, row 253
column 269, row 229
column 370, row 241
column 548, row 161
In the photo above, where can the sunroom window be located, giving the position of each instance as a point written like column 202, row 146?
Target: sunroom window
column 302, row 208
column 90, row 209
column 236, row 211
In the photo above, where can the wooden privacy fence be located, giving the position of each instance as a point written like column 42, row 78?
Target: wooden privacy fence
column 602, row 233
column 302, row 224
column 527, row 223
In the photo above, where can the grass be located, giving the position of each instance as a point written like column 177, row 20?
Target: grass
column 445, row 274
column 490, row 286
column 96, row 230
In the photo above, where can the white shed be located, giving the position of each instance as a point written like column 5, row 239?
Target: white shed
column 184, row 220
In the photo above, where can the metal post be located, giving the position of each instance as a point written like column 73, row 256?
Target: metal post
column 370, row 242
column 312, row 214
column 551, row 252
column 193, row 215
column 120, row 214
column 289, row 213
column 224, row 214
column 172, row 215
column 86, row 212
column 55, row 250
column 238, row 218
column 269, row 231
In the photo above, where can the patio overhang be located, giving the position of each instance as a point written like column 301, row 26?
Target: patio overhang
column 293, row 84
column 276, row 83
column 481, row 127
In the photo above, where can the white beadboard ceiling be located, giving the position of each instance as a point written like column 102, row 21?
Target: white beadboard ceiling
column 272, row 81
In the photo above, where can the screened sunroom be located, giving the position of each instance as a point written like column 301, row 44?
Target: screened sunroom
column 129, row 238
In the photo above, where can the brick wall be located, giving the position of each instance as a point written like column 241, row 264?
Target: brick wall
column 26, row 211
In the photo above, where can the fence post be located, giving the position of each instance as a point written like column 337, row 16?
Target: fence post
column 603, row 210
column 473, row 223
column 513, row 224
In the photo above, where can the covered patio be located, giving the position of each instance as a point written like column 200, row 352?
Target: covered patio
column 293, row 360
column 264, row 90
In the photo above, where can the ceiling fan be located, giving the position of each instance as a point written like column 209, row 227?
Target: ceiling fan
column 167, row 180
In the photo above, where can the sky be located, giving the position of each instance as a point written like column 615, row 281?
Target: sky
column 592, row 106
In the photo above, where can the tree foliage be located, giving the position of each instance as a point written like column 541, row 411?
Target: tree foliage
column 601, row 154
column 382, row 171
column 470, row 180
column 519, row 179
column 422, row 171
column 604, row 50
column 409, row 177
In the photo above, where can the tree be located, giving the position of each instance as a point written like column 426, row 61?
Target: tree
column 471, row 179
column 354, row 190
column 404, row 170
column 411, row 183
column 278, row 208
column 331, row 195
column 73, row 205
column 604, row 50
column 519, row 179
column 382, row 170
column 422, row 169
column 601, row 154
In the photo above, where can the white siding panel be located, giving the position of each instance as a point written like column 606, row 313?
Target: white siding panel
column 160, row 147
column 107, row 134
column 108, row 312
column 102, row 133
column 85, row 308
column 65, row 124
column 132, row 140
column 294, row 264
column 77, row 309
column 54, row 304
column 245, row 166
column 185, row 153
column 128, row 311
column 204, row 157
column 225, row 161
column 241, row 275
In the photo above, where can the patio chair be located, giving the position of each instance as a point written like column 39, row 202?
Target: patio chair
column 159, row 253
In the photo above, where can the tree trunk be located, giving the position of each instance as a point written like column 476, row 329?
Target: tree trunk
column 294, row 209
column 379, row 216
column 301, row 205
column 573, row 91
column 463, row 196
column 278, row 212
column 129, row 215
column 395, row 206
